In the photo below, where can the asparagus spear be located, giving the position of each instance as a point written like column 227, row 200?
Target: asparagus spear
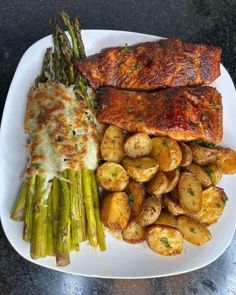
column 100, row 231
column 45, row 67
column 55, row 205
column 27, row 231
column 89, row 207
column 82, row 218
column 50, row 236
column 18, row 210
column 79, row 38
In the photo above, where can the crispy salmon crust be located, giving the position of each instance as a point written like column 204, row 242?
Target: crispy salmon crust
column 153, row 65
column 183, row 113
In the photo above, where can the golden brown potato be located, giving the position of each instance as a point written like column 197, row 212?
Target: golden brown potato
column 200, row 174
column 174, row 194
column 150, row 211
column 215, row 173
column 158, row 184
column 112, row 146
column 204, row 155
column 193, row 231
column 166, row 218
column 227, row 160
column 137, row 145
column 112, row 177
column 190, row 193
column 187, row 155
column 115, row 211
column 167, row 152
column 213, row 203
column 141, row 169
column 172, row 177
column 172, row 206
column 134, row 233
column 164, row 240
column 136, row 195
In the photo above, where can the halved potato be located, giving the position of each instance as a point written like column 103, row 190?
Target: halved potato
column 137, row 145
column 193, row 231
column 158, row 184
column 134, row 233
column 136, row 195
column 172, row 177
column 187, row 155
column 204, row 155
column 115, row 211
column 172, row 206
column 141, row 169
column 174, row 194
column 202, row 177
column 227, row 160
column 164, row 240
column 166, row 218
column 214, row 172
column 150, row 211
column 190, row 193
column 213, row 203
column 167, row 152
column 112, row 176
column 112, row 146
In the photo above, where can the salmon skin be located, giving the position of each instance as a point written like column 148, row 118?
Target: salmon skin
column 183, row 113
column 152, row 65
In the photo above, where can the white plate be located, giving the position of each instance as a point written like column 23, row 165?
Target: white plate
column 121, row 260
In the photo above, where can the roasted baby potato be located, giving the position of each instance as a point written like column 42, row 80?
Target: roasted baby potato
column 115, row 211
column 204, row 155
column 214, row 172
column 227, row 160
column 190, row 193
column 172, row 206
column 187, row 155
column 167, row 152
column 134, row 233
column 200, row 174
column 136, row 195
column 112, row 177
column 112, row 146
column 158, row 184
column 150, row 211
column 141, row 169
column 166, row 218
column 193, row 231
column 137, row 145
column 172, row 177
column 213, row 203
column 164, row 240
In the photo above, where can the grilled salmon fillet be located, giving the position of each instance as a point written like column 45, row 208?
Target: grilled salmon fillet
column 183, row 113
column 153, row 65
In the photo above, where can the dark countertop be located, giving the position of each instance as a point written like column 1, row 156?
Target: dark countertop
column 22, row 23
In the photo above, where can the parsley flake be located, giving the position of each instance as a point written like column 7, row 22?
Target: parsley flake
column 190, row 191
column 130, row 199
column 165, row 241
column 126, row 48
column 193, row 230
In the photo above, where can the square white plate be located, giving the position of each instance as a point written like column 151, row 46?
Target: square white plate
column 121, row 260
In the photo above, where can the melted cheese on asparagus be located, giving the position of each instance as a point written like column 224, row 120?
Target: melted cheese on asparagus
column 63, row 133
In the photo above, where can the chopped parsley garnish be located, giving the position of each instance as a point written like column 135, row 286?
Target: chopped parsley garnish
column 218, row 205
column 113, row 141
column 120, row 63
column 139, row 165
column 126, row 48
column 59, row 138
column 114, row 174
column 129, row 110
column 165, row 241
column 190, row 191
column 130, row 199
column 204, row 143
column 137, row 65
column 193, row 230
column 225, row 198
column 209, row 171
column 36, row 165
column 165, row 142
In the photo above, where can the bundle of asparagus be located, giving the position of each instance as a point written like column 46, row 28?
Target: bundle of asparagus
column 61, row 211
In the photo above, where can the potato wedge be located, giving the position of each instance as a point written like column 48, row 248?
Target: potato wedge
column 112, row 176
column 134, row 233
column 172, row 177
column 172, row 206
column 164, row 240
column 213, row 203
column 138, row 145
column 158, row 184
column 204, row 155
column 136, row 194
column 150, row 211
column 201, row 175
column 227, row 160
column 190, row 193
column 166, row 218
column 193, row 231
column 112, row 146
column 174, row 194
column 187, row 154
column 141, row 169
column 167, row 152
column 115, row 211
column 214, row 172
